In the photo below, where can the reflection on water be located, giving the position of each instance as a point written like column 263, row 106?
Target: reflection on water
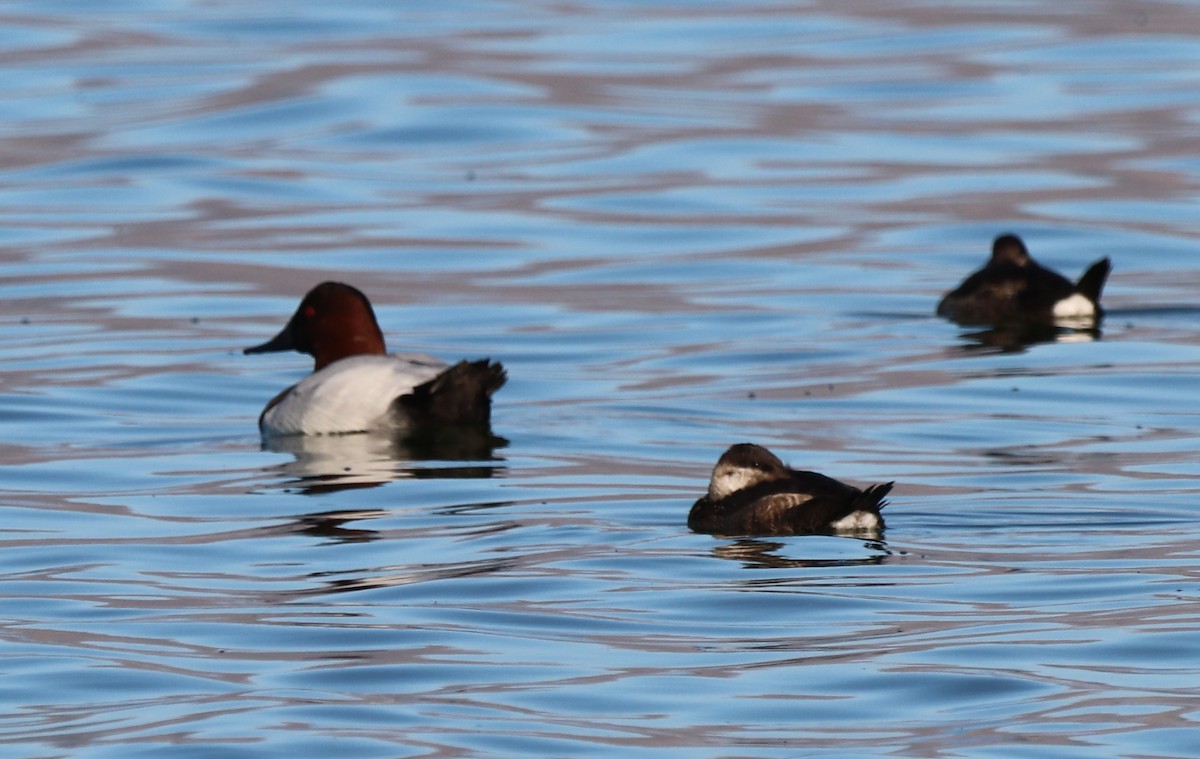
column 331, row 525
column 1017, row 338
column 676, row 225
column 326, row 463
column 390, row 577
column 771, row 554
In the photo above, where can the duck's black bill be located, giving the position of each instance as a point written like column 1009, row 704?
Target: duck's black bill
column 281, row 342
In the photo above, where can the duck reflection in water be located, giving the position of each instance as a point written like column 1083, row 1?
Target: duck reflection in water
column 1016, row 338
column 752, row 493
column 756, row 553
column 327, row 463
column 1021, row 303
column 331, row 525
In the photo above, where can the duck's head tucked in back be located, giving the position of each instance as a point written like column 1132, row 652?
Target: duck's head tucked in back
column 752, row 492
column 742, row 466
column 1008, row 249
column 1013, row 290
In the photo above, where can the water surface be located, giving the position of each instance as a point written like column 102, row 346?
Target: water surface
column 679, row 226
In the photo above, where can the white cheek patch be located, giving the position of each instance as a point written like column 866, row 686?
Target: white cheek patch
column 857, row 520
column 1074, row 307
column 733, row 480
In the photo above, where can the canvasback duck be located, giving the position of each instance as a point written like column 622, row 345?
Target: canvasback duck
column 1014, row 289
column 752, row 492
column 356, row 386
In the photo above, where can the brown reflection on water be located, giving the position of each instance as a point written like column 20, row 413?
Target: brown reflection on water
column 767, row 554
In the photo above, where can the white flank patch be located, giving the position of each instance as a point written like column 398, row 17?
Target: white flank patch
column 857, row 520
column 1074, row 307
column 351, row 395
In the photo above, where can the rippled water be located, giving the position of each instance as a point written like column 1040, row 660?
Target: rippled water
column 679, row 226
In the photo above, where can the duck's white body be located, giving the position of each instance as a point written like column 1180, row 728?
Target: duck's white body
column 353, row 394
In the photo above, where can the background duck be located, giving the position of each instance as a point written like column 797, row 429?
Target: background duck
column 1014, row 289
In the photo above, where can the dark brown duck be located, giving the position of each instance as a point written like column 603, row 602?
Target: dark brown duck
column 1014, row 289
column 752, row 492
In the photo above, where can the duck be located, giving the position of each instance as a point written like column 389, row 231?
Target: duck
column 753, row 493
column 357, row 386
column 1014, row 289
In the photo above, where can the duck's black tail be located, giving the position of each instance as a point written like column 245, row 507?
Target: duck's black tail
column 1092, row 282
column 461, row 396
column 872, row 498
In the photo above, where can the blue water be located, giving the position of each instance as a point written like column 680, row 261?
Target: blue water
column 679, row 226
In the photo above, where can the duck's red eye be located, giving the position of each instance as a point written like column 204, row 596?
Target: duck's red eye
column 310, row 312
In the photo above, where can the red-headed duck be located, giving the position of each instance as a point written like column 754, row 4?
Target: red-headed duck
column 356, row 386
